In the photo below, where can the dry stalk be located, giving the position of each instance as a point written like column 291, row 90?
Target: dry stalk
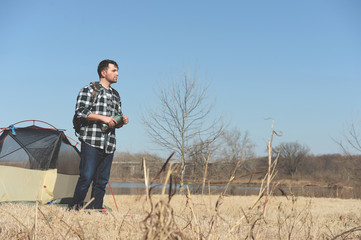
column 294, row 222
column 168, row 177
column 26, row 233
column 270, row 175
column 251, row 229
column 352, row 230
column 146, row 181
column 75, row 217
column 220, row 198
column 258, row 198
column 82, row 230
column 271, row 171
column 163, row 168
column 270, row 178
column 36, row 220
column 210, row 199
column 47, row 222
column 54, row 214
column 206, row 168
column 49, row 225
column 84, row 207
column 262, row 188
column 197, row 228
column 159, row 223
column 239, row 221
column 157, row 176
column 21, row 223
column 123, row 222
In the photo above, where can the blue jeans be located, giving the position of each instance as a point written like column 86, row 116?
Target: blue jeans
column 94, row 167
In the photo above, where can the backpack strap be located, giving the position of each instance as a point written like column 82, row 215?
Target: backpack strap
column 96, row 85
column 96, row 91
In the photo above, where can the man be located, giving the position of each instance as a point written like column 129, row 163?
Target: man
column 97, row 135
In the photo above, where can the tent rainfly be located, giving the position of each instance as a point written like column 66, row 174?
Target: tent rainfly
column 37, row 164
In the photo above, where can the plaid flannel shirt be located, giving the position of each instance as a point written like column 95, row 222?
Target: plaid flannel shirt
column 107, row 103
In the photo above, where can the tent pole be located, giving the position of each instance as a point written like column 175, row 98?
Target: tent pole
column 113, row 196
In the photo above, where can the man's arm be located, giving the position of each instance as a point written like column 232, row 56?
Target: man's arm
column 107, row 120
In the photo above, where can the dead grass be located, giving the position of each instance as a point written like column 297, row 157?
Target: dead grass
column 188, row 218
column 169, row 216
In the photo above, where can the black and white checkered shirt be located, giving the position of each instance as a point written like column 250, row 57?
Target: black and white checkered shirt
column 107, row 103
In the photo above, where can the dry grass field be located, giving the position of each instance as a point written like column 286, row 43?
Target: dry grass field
column 192, row 217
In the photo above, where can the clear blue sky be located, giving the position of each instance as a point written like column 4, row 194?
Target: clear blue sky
column 298, row 62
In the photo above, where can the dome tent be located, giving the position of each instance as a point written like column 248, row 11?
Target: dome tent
column 37, row 163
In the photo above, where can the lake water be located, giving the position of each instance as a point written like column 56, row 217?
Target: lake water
column 139, row 188
column 190, row 186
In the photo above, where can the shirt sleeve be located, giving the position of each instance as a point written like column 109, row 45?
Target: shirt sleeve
column 83, row 103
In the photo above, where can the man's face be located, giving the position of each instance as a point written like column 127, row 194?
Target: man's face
column 111, row 74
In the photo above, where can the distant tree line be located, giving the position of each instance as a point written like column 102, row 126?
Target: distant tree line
column 299, row 165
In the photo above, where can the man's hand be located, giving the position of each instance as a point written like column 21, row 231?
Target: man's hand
column 124, row 122
column 111, row 122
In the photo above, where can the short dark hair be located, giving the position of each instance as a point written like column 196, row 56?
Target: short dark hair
column 103, row 65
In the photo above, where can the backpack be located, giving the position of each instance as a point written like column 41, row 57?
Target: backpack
column 78, row 122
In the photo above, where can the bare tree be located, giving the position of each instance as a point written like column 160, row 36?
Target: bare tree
column 182, row 118
column 198, row 156
column 350, row 145
column 236, row 145
column 351, row 138
column 292, row 154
